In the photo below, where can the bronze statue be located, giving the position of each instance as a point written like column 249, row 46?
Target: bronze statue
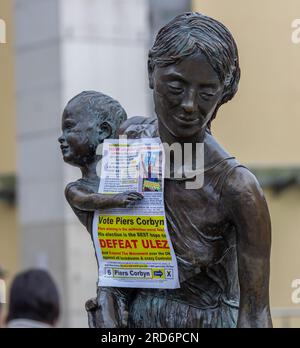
column 221, row 233
column 87, row 120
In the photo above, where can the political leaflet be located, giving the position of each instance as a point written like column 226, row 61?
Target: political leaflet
column 132, row 244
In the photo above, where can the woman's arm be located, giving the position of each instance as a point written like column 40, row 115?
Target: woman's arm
column 244, row 200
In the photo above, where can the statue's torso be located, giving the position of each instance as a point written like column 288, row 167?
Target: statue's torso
column 204, row 242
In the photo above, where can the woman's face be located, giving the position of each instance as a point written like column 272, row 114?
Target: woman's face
column 186, row 95
column 79, row 133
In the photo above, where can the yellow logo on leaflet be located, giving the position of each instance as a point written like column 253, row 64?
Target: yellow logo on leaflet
column 158, row 273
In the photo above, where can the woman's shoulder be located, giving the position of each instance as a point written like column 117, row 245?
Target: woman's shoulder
column 236, row 179
column 242, row 183
column 214, row 150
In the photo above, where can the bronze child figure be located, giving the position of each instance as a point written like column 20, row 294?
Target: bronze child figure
column 89, row 119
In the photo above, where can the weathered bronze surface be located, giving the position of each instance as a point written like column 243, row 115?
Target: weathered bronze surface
column 221, row 233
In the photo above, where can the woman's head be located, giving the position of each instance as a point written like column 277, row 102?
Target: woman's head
column 88, row 119
column 193, row 34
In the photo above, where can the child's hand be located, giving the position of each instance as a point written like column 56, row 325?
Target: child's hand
column 124, row 199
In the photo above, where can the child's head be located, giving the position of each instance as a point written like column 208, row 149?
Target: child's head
column 88, row 119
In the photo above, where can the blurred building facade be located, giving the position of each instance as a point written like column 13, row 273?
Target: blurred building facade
column 9, row 236
column 57, row 48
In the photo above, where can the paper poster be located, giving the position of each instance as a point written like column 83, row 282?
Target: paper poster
column 132, row 244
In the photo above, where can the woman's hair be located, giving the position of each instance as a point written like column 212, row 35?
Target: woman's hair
column 191, row 33
column 102, row 107
column 34, row 296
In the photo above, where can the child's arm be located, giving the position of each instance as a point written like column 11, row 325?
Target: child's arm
column 83, row 199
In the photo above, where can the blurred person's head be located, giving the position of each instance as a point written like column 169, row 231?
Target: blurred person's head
column 34, row 297
column 196, row 51
column 88, row 119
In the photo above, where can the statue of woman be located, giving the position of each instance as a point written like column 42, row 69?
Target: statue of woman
column 221, row 233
